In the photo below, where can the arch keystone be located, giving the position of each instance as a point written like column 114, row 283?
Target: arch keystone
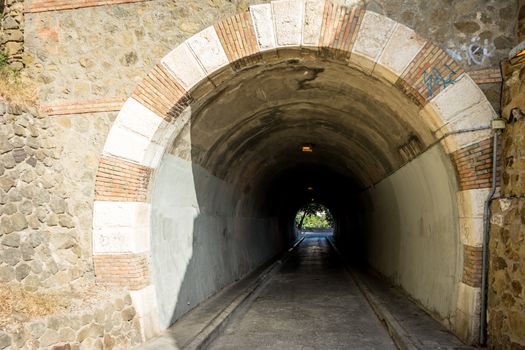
column 288, row 21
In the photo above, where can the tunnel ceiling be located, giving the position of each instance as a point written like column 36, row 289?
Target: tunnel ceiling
column 251, row 128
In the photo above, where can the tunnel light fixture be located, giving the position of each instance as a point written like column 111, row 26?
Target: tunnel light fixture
column 307, row 148
column 310, row 188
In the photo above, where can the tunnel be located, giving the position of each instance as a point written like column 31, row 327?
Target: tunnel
column 244, row 123
column 226, row 192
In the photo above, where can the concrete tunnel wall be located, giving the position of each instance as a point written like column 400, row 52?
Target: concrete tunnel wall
column 219, row 208
column 201, row 241
column 411, row 229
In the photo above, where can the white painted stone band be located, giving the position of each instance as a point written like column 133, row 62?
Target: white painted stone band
column 121, row 227
column 470, row 212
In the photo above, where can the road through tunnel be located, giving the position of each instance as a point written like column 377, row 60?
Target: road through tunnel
column 223, row 144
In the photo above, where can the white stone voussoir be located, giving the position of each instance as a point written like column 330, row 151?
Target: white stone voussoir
column 120, row 227
column 132, row 132
column 183, row 65
column 288, row 21
column 400, row 50
column 124, row 143
column 456, row 98
column 374, row 33
column 138, row 118
column 313, row 22
column 263, row 26
column 208, row 49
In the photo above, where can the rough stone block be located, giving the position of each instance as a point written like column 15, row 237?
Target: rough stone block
column 313, row 21
column 263, row 25
column 288, row 18
column 184, row 66
column 208, row 49
column 403, row 46
column 373, row 35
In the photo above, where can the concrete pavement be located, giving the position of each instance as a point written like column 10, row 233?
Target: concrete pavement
column 311, row 303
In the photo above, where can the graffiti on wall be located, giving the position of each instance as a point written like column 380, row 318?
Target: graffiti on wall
column 476, row 53
column 436, row 79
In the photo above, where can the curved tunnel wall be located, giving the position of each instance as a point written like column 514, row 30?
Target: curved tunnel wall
column 383, row 55
column 201, row 241
column 411, row 226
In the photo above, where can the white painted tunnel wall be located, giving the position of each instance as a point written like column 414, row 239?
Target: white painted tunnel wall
column 200, row 243
column 412, row 231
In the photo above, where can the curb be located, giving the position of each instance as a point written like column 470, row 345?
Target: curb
column 398, row 334
column 219, row 322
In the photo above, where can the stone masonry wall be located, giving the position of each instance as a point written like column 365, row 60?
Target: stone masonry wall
column 39, row 244
column 112, row 324
column 101, row 52
column 12, row 32
column 521, row 21
column 506, row 318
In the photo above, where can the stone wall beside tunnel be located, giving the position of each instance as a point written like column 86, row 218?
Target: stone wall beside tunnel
column 506, row 281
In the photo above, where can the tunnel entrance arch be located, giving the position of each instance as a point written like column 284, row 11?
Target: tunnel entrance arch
column 443, row 98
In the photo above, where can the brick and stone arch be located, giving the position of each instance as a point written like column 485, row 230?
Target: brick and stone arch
column 446, row 99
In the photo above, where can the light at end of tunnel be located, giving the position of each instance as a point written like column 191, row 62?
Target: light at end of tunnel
column 310, row 188
column 307, row 148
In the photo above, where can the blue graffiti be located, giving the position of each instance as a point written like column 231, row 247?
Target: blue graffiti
column 434, row 78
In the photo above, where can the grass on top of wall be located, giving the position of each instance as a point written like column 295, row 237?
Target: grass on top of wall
column 15, row 87
column 19, row 305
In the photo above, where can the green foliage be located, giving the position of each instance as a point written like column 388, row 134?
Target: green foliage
column 3, row 59
column 314, row 215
